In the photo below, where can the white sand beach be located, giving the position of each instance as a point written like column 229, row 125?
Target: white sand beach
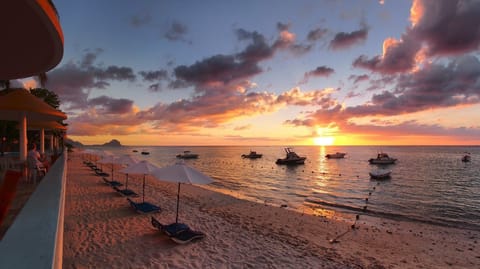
column 103, row 231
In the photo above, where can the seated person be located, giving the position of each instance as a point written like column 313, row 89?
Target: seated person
column 34, row 154
column 44, row 161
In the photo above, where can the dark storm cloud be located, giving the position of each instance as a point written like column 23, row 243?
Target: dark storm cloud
column 113, row 72
column 256, row 51
column 219, row 68
column 155, row 87
column 449, row 26
column 176, row 31
column 140, row 19
column 282, row 26
column 90, row 57
column 435, row 86
column 316, row 34
column 73, row 82
column 441, row 27
column 344, row 40
column 152, row 76
column 397, row 57
column 111, row 105
column 321, row 71
column 357, row 79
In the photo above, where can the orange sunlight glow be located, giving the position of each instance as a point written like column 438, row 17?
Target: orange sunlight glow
column 324, row 140
column 325, row 136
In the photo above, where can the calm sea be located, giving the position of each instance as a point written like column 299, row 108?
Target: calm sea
column 428, row 184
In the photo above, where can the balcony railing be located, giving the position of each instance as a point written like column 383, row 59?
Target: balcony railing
column 35, row 238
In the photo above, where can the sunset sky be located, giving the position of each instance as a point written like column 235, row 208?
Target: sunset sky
column 270, row 72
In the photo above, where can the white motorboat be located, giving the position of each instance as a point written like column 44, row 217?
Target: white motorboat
column 291, row 159
column 337, row 155
column 382, row 158
column 187, row 155
column 252, row 155
column 380, row 174
column 466, row 158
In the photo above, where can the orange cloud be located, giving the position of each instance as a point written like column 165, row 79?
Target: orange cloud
column 416, row 11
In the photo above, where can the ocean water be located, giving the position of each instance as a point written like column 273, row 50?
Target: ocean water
column 428, row 184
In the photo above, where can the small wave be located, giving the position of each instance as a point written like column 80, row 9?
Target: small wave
column 394, row 216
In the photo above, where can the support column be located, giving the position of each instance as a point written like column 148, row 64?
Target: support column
column 42, row 140
column 23, row 137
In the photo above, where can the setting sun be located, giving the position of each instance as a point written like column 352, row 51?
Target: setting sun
column 323, row 140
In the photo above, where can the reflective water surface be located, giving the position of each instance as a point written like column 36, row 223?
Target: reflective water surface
column 428, row 184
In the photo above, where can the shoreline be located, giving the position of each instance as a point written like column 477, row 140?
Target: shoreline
column 346, row 213
column 101, row 230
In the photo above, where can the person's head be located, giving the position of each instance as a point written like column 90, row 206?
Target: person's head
column 33, row 146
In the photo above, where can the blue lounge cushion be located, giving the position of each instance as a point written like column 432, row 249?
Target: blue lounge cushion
column 112, row 183
column 99, row 172
column 144, row 207
column 186, row 236
column 178, row 232
column 125, row 192
column 170, row 229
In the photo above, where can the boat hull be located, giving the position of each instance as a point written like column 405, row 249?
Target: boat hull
column 375, row 161
column 249, row 156
column 380, row 175
column 291, row 162
column 335, row 156
column 192, row 156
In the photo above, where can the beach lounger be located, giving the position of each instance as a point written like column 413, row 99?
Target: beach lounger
column 100, row 173
column 125, row 192
column 179, row 232
column 112, row 183
column 186, row 236
column 144, row 207
column 170, row 229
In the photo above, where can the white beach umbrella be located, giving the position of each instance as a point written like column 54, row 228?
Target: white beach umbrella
column 181, row 173
column 141, row 168
column 127, row 160
column 108, row 159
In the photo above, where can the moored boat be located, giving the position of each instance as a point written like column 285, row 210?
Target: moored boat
column 466, row 158
column 291, row 159
column 144, row 152
column 252, row 155
column 337, row 155
column 380, row 174
column 187, row 155
column 382, row 158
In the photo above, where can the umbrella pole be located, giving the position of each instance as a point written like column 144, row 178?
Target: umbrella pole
column 143, row 188
column 126, row 182
column 112, row 171
column 178, row 201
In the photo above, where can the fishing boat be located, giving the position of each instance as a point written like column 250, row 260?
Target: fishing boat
column 187, row 155
column 382, row 158
column 466, row 158
column 380, row 174
column 252, row 155
column 337, row 155
column 291, row 159
column 134, row 150
column 145, row 152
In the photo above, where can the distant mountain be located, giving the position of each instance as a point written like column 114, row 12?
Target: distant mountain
column 113, row 143
column 75, row 144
